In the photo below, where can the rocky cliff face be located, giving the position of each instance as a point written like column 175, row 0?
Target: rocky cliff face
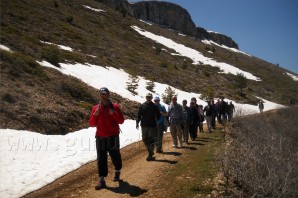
column 170, row 15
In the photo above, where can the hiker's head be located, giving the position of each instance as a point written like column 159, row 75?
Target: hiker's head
column 174, row 99
column 184, row 102
column 156, row 99
column 149, row 97
column 194, row 100
column 104, row 94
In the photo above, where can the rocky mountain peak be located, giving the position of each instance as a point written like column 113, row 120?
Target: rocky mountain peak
column 170, row 15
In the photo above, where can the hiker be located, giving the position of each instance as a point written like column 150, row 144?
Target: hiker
column 106, row 117
column 261, row 106
column 231, row 110
column 194, row 121
column 218, row 111
column 161, row 128
column 201, row 118
column 214, row 115
column 148, row 115
column 175, row 113
column 196, row 106
column 223, row 109
column 186, row 121
column 208, row 111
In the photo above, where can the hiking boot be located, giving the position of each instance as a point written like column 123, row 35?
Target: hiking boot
column 150, row 158
column 117, row 176
column 174, row 146
column 101, row 184
column 159, row 151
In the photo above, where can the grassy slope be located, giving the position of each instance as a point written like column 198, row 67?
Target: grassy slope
column 29, row 91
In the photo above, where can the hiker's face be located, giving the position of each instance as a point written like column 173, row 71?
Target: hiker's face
column 104, row 97
column 174, row 100
column 148, row 98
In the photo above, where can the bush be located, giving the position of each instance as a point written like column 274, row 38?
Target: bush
column 52, row 55
column 8, row 98
column 167, row 96
column 261, row 156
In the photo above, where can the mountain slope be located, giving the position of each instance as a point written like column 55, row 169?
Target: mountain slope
column 43, row 100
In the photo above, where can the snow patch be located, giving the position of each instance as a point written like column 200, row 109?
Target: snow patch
column 209, row 42
column 295, row 78
column 195, row 55
column 94, row 9
column 3, row 47
column 60, row 46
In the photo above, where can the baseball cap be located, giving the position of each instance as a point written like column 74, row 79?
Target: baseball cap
column 149, row 95
column 156, row 98
column 104, row 90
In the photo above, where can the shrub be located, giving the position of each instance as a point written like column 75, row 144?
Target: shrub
column 150, row 86
column 240, row 82
column 52, row 55
column 8, row 98
column 261, row 155
column 167, row 96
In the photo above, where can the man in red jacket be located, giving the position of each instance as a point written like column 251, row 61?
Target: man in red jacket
column 106, row 117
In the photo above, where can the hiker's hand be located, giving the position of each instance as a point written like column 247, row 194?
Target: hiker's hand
column 96, row 112
column 111, row 111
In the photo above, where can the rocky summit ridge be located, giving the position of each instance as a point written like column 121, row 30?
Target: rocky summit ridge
column 170, row 15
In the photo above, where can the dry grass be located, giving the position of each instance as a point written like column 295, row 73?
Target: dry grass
column 261, row 155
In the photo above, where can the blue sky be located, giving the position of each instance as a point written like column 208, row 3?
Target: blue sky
column 267, row 29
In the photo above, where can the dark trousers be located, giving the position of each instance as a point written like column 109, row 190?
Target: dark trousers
column 104, row 146
column 193, row 129
column 160, row 129
column 213, row 121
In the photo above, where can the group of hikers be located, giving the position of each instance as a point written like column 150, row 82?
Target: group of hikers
column 183, row 121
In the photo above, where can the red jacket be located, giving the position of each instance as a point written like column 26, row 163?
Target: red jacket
column 105, row 123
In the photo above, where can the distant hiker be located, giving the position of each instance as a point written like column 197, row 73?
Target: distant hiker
column 106, row 117
column 223, row 109
column 208, row 110
column 218, row 111
column 196, row 106
column 186, row 121
column 201, row 118
column 161, row 128
column 194, row 120
column 175, row 113
column 231, row 110
column 148, row 115
column 214, row 115
column 261, row 106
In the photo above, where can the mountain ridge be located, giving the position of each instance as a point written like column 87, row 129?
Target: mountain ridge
column 170, row 15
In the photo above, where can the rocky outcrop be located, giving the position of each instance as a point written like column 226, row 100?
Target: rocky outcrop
column 170, row 15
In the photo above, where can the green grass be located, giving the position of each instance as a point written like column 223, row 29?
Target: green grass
column 194, row 172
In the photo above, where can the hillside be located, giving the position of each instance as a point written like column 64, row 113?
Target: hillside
column 46, row 101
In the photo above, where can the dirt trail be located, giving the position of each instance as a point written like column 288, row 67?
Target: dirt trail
column 140, row 178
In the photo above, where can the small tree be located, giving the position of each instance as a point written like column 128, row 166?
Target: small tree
column 150, row 86
column 132, row 83
column 52, row 55
column 240, row 82
column 167, row 96
column 158, row 49
column 208, row 94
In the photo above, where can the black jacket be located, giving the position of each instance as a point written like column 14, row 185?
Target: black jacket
column 148, row 114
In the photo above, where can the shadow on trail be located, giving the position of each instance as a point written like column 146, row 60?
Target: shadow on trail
column 126, row 188
column 166, row 161
column 195, row 143
column 189, row 147
column 172, row 153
